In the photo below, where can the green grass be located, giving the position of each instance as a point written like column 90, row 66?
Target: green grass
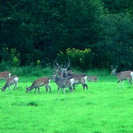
column 104, row 108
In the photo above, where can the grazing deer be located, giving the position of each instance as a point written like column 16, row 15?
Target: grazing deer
column 92, row 78
column 79, row 78
column 43, row 81
column 123, row 75
column 10, row 81
column 5, row 75
column 63, row 82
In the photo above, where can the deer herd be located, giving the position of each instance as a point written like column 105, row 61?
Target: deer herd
column 63, row 78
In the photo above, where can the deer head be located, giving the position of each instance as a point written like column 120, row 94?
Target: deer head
column 62, row 70
column 113, row 70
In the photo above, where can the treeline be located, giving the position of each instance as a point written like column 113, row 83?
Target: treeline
column 91, row 33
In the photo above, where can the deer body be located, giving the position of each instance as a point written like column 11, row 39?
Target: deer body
column 123, row 75
column 79, row 78
column 44, row 81
column 5, row 75
column 64, row 82
column 10, row 81
column 92, row 78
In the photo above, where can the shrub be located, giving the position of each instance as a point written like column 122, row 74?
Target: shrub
column 11, row 56
column 80, row 59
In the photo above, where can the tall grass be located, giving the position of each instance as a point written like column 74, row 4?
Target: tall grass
column 104, row 107
column 30, row 71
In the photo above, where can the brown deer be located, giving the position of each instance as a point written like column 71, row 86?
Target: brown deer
column 79, row 78
column 43, row 81
column 123, row 75
column 13, row 80
column 5, row 75
column 63, row 82
column 92, row 78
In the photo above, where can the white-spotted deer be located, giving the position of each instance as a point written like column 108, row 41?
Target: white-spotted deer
column 123, row 75
column 5, row 75
column 79, row 78
column 92, row 78
column 64, row 82
column 43, row 81
column 13, row 80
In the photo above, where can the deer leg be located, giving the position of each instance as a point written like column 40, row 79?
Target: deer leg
column 118, row 81
column 49, row 88
column 35, row 90
column 70, row 89
column 122, row 82
column 130, row 82
column 9, row 87
column 74, row 86
column 38, row 89
column 46, row 88
column 83, row 86
column 15, row 86
column 64, row 90
column 58, row 88
column 86, row 86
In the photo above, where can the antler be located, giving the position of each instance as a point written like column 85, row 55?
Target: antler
column 68, row 64
column 57, row 64
column 114, row 67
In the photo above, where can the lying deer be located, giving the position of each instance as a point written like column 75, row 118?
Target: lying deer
column 92, row 78
column 123, row 75
column 43, row 81
column 5, row 75
column 10, row 81
column 63, row 82
column 79, row 78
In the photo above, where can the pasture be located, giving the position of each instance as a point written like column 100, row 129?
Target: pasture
column 104, row 108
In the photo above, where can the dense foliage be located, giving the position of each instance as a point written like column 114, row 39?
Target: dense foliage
column 34, row 32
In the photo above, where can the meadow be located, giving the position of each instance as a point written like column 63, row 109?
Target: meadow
column 104, row 108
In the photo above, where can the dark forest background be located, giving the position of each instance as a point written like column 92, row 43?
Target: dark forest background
column 91, row 33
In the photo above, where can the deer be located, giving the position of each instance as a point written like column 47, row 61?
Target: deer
column 92, row 78
column 63, row 82
column 5, row 75
column 13, row 80
column 123, row 75
column 43, row 81
column 62, row 70
column 79, row 78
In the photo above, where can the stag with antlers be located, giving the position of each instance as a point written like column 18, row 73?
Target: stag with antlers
column 79, row 78
column 62, row 70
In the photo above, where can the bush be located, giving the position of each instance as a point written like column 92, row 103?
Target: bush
column 80, row 59
column 11, row 57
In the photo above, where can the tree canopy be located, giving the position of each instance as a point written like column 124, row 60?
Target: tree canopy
column 36, row 31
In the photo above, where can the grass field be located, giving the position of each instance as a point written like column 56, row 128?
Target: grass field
column 104, row 108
